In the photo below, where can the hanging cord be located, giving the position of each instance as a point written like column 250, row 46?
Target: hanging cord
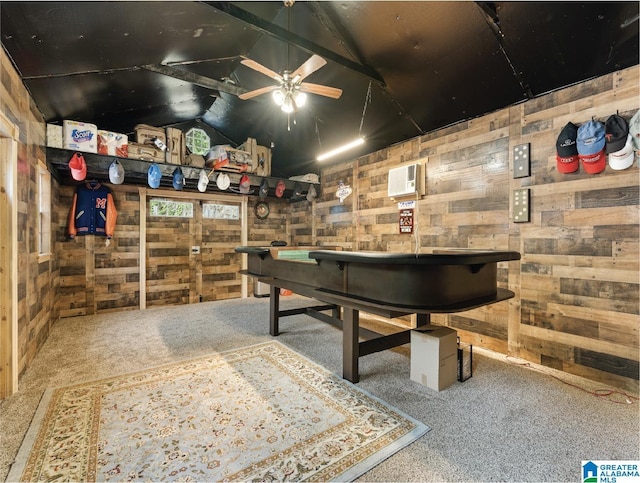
column 367, row 100
column 318, row 133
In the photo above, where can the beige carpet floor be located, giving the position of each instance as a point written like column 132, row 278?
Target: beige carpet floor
column 507, row 423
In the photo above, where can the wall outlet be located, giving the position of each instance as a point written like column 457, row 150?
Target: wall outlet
column 521, row 160
column 521, row 198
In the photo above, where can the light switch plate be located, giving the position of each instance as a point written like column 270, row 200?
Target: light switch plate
column 522, row 160
column 521, row 198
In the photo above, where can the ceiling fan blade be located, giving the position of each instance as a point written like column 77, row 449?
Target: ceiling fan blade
column 312, row 64
column 257, row 92
column 252, row 64
column 327, row 91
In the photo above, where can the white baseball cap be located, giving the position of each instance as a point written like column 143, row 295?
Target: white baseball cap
column 623, row 158
column 203, row 181
column 223, row 182
column 116, row 172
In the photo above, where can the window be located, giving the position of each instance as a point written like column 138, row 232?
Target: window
column 44, row 210
column 182, row 209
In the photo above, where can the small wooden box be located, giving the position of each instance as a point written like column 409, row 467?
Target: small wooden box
column 146, row 152
column 264, row 161
column 176, row 146
column 146, row 134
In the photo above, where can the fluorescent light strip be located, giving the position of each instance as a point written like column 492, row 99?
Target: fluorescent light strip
column 341, row 149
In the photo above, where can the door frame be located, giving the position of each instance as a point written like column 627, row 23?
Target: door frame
column 9, row 134
column 144, row 193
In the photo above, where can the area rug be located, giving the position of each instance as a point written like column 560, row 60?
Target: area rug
column 262, row 412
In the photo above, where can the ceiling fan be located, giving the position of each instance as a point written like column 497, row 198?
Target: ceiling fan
column 290, row 91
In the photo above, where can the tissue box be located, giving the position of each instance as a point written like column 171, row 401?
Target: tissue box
column 113, row 144
column 54, row 136
column 80, row 136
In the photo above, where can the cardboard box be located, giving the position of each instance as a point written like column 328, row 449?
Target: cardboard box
column 54, row 136
column 80, row 136
column 434, row 356
column 113, row 143
column 250, row 146
column 146, row 134
column 146, row 152
column 176, row 146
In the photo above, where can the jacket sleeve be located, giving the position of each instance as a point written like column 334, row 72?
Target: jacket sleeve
column 71, row 227
column 112, row 215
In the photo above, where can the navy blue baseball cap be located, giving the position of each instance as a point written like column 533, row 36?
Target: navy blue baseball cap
column 178, row 178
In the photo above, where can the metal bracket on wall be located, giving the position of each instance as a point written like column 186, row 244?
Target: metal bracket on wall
column 520, row 205
column 521, row 160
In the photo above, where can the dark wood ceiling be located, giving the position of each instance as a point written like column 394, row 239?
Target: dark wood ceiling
column 405, row 68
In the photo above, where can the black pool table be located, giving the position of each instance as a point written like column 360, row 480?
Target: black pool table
column 386, row 284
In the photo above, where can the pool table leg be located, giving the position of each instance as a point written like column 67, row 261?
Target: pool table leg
column 350, row 344
column 274, row 309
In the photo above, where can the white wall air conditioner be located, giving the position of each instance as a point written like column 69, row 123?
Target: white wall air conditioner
column 405, row 181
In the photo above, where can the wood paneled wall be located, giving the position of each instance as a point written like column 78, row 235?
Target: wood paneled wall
column 37, row 276
column 96, row 278
column 577, row 285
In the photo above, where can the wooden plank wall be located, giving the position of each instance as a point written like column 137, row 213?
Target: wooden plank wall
column 37, row 276
column 577, row 285
column 95, row 278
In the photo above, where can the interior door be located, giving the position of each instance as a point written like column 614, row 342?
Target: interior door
column 219, row 263
column 190, row 248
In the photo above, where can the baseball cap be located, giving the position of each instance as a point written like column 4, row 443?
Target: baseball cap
column 624, row 158
column 116, row 172
column 244, row 187
column 223, row 181
column 634, row 130
column 280, row 187
column 566, row 149
column 203, row 181
column 590, row 139
column 616, row 132
column 154, row 175
column 311, row 194
column 178, row 178
column 594, row 163
column 297, row 192
column 264, row 188
column 78, row 167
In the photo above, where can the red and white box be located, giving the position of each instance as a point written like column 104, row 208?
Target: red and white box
column 113, row 143
column 80, row 136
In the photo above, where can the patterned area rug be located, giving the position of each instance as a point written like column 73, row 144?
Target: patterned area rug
column 259, row 413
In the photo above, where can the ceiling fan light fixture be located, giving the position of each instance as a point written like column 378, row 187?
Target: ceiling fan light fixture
column 300, row 98
column 279, row 96
column 287, row 104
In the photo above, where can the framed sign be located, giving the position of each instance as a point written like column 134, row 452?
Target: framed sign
column 406, row 220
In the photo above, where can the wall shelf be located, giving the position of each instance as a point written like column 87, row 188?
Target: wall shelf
column 136, row 173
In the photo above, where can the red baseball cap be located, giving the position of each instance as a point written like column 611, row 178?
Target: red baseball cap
column 567, row 164
column 594, row 163
column 78, row 167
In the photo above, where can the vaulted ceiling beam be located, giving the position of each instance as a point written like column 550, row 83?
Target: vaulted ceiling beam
column 294, row 39
column 197, row 79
